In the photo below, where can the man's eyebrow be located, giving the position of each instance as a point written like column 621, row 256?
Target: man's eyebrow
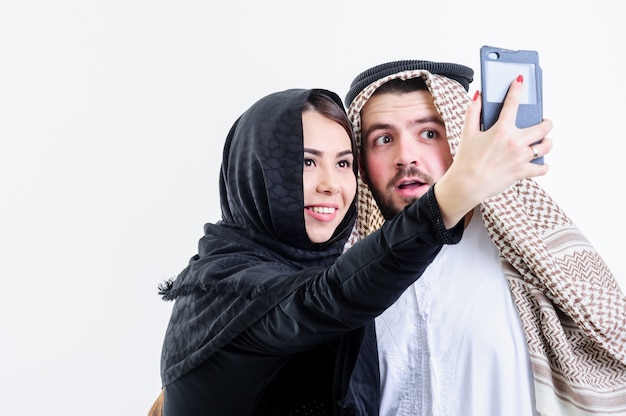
column 373, row 127
column 385, row 126
column 433, row 119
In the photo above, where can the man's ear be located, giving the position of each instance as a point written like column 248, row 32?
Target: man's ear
column 361, row 168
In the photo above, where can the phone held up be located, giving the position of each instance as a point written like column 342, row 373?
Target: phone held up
column 499, row 67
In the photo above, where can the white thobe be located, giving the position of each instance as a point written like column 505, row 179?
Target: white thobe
column 453, row 344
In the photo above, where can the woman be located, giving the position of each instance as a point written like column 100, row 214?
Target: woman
column 268, row 318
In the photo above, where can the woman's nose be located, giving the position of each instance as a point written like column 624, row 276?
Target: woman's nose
column 328, row 183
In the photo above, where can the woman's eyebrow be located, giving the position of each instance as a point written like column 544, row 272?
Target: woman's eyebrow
column 320, row 153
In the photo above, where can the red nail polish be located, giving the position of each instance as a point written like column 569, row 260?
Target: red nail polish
column 476, row 94
column 520, row 78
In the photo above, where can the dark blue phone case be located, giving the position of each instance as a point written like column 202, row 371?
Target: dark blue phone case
column 498, row 69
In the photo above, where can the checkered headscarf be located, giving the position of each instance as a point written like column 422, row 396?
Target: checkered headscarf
column 571, row 307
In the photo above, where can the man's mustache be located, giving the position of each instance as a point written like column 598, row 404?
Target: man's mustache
column 412, row 172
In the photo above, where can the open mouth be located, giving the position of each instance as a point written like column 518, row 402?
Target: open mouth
column 410, row 184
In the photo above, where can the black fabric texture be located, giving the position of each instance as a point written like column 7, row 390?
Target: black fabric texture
column 243, row 260
column 260, row 309
column 460, row 73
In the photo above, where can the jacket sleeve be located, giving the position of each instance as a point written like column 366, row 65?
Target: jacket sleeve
column 360, row 285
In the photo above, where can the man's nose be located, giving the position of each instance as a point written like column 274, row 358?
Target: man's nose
column 405, row 152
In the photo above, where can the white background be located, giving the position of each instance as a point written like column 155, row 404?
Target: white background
column 112, row 120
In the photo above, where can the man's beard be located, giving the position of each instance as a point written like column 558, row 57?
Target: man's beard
column 385, row 200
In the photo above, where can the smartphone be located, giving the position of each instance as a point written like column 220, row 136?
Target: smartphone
column 499, row 67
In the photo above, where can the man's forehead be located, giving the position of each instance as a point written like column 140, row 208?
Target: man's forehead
column 401, row 104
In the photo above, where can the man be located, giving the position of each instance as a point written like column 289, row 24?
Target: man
column 521, row 317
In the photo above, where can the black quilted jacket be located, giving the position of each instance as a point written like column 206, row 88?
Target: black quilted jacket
column 264, row 321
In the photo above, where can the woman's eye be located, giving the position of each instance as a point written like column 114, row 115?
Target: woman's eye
column 309, row 162
column 344, row 164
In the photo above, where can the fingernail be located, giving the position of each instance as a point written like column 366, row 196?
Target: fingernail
column 476, row 94
column 520, row 78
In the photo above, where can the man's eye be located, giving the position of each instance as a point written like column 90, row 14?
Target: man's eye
column 381, row 140
column 429, row 134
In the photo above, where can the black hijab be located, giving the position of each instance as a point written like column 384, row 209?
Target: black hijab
column 261, row 179
column 259, row 252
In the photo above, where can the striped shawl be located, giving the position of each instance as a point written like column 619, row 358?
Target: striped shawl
column 573, row 312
